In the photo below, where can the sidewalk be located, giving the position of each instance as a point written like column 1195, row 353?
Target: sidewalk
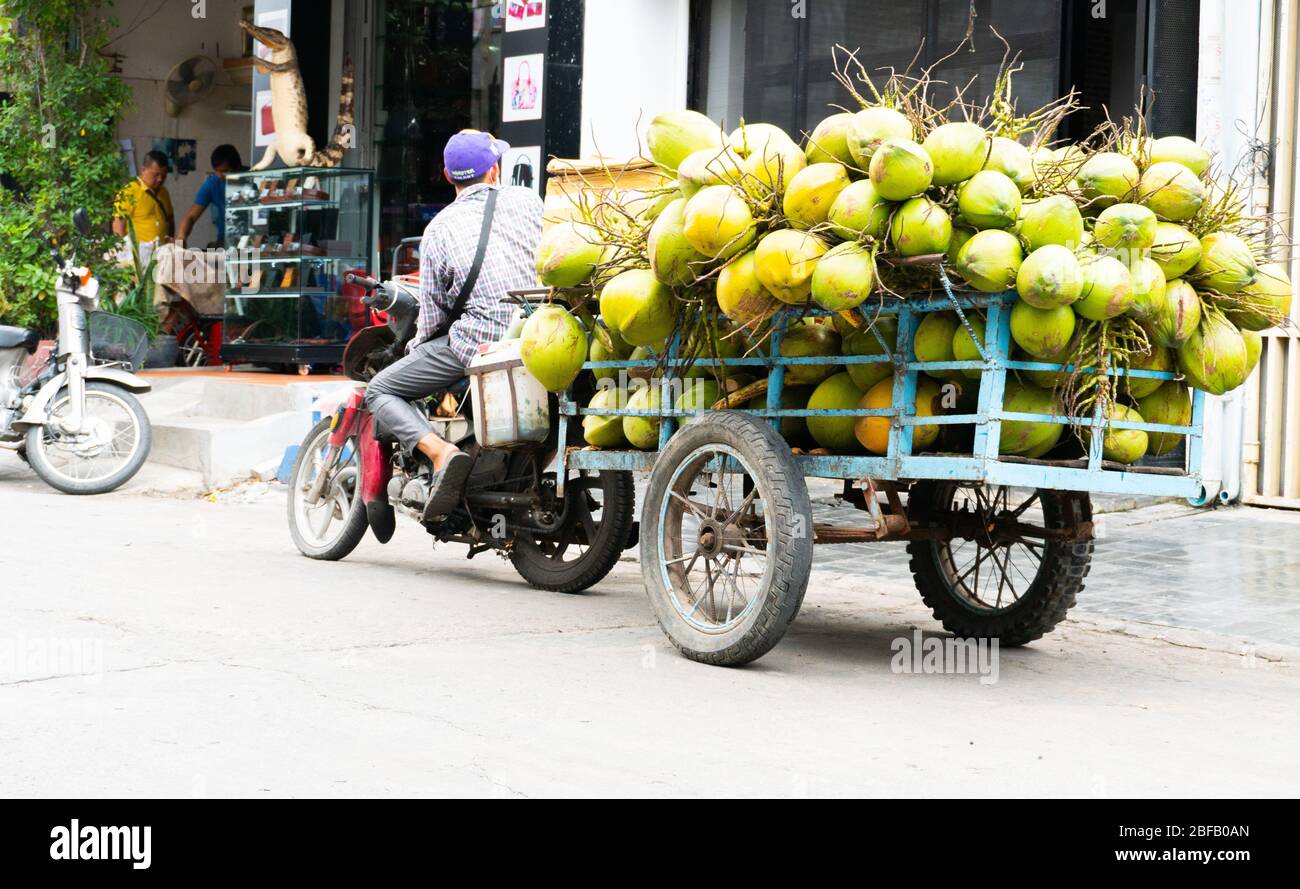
column 1228, row 571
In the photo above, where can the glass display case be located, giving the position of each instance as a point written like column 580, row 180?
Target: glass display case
column 291, row 236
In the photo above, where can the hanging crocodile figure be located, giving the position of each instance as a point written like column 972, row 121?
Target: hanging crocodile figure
column 289, row 106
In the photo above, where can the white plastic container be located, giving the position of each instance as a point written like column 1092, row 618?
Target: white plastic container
column 510, row 407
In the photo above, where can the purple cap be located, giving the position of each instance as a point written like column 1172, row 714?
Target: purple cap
column 471, row 153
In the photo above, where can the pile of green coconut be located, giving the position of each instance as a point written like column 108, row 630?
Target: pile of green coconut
column 1126, row 252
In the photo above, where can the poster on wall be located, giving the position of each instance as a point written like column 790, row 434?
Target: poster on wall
column 277, row 19
column 524, row 15
column 523, row 166
column 263, row 121
column 522, row 99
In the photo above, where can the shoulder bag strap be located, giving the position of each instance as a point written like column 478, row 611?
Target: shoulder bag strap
column 471, row 278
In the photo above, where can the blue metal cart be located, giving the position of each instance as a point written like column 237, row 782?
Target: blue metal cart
column 999, row 545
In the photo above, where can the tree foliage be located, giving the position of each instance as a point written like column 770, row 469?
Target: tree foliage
column 58, row 147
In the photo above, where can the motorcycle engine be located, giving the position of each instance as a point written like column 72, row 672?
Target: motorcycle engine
column 10, row 366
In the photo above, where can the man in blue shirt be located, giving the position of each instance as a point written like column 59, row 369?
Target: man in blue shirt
column 212, row 193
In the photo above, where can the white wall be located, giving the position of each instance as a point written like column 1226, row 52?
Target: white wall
column 154, row 37
column 1226, row 121
column 634, row 64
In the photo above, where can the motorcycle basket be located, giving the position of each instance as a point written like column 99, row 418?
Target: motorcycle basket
column 117, row 339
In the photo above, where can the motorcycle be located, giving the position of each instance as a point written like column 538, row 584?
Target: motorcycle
column 74, row 419
column 349, row 476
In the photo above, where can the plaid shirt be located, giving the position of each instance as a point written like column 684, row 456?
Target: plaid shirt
column 447, row 252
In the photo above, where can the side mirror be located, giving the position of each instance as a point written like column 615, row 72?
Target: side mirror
column 81, row 219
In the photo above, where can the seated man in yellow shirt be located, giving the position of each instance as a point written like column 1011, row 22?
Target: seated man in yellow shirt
column 147, row 203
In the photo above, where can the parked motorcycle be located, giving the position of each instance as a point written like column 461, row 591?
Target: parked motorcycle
column 73, row 418
column 348, row 476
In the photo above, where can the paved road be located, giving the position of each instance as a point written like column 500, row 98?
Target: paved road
column 164, row 646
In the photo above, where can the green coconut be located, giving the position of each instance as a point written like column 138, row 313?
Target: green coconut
column 859, row 210
column 933, row 341
column 1175, row 315
column 920, row 227
column 674, row 261
column 873, row 432
column 1025, row 436
column 751, row 138
column 617, row 350
column 568, row 254
column 1175, row 250
column 829, row 141
column 742, row 296
column 1050, row 277
column 1157, row 358
column 1125, row 446
column 1226, row 264
column 960, row 235
column 809, row 338
column 1214, row 358
column 1265, row 303
column 772, row 166
column 989, row 199
column 958, row 150
column 639, row 307
column 1148, row 288
column 1254, row 348
column 843, row 278
column 1013, row 159
column 643, row 432
column 812, row 192
column 784, row 262
column 1049, row 379
column 601, row 431
column 1044, row 334
column 1169, row 405
column 674, row 135
column 717, row 222
column 864, row 341
column 1106, row 178
column 699, row 395
column 1172, row 191
column 1125, row 227
column 553, row 346
column 1107, row 289
column 1180, row 150
column 871, row 126
column 900, row 169
column 709, row 166
column 991, row 260
column 720, row 341
column 836, row 392
column 793, row 429
column 964, row 347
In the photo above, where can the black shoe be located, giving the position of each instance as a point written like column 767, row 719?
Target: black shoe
column 445, row 487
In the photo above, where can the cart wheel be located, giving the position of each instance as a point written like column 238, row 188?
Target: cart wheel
column 1013, row 564
column 726, row 539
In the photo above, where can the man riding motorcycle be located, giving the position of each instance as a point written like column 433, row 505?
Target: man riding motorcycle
column 473, row 252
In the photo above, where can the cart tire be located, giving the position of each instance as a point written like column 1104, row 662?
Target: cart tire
column 538, row 563
column 677, row 532
column 1051, row 573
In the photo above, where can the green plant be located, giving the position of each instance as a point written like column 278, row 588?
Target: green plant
column 136, row 297
column 58, row 149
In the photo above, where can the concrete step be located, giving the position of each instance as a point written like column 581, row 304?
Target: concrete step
column 228, row 427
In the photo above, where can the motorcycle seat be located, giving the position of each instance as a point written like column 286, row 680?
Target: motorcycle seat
column 18, row 338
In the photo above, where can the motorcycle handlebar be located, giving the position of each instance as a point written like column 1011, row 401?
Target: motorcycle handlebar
column 364, row 281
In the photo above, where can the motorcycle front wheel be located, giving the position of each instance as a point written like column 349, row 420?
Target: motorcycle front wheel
column 112, row 446
column 332, row 527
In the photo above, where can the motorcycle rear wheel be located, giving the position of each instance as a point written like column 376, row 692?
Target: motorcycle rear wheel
column 332, row 528
column 592, row 538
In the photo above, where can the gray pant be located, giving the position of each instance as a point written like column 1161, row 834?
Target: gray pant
column 430, row 367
